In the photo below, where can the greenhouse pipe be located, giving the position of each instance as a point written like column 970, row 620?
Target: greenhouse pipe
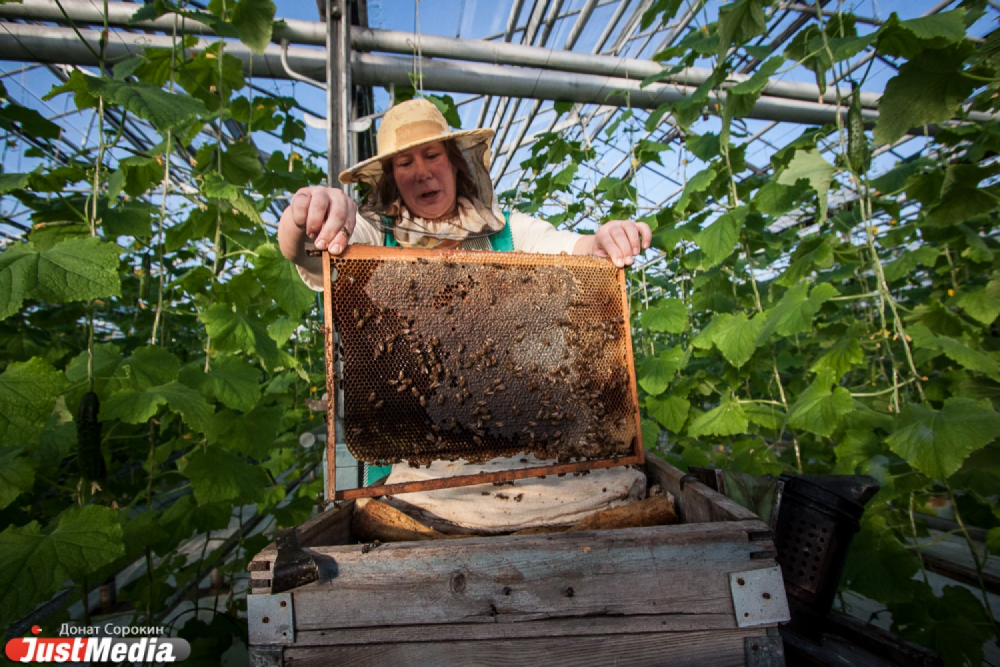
column 61, row 45
column 431, row 46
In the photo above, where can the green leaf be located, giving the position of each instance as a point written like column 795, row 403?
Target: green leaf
column 11, row 182
column 908, row 38
column 253, row 20
column 670, row 411
column 760, row 77
column 794, row 313
column 282, row 282
column 664, row 9
column 993, row 540
column 906, row 263
column 28, row 393
column 704, row 147
column 34, row 564
column 655, row 373
column 955, row 625
column 928, row 89
column 18, row 269
column 776, row 199
column 215, row 186
column 819, row 409
column 697, row 183
column 736, row 337
column 106, row 359
column 164, row 110
column 718, row 240
column 727, row 419
column 650, row 433
column 149, row 366
column 446, row 105
column 252, row 434
column 135, row 407
column 769, row 416
column 77, row 270
column 810, row 166
column 844, row 355
column 982, row 303
column 17, row 474
column 936, row 442
column 739, row 22
column 232, row 381
column 668, row 315
column 220, row 476
column 878, row 565
column 974, row 360
column 233, row 331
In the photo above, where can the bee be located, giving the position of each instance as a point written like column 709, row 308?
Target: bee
column 388, row 348
column 356, row 313
column 516, row 410
column 401, row 388
column 415, row 392
column 501, row 387
column 498, row 425
column 421, row 260
column 371, row 397
column 452, row 423
column 545, row 341
column 476, row 439
column 440, row 399
column 379, row 404
column 435, row 341
column 423, row 401
column 349, row 277
column 532, row 386
column 461, row 348
column 435, row 428
column 361, row 324
column 430, row 438
column 460, row 399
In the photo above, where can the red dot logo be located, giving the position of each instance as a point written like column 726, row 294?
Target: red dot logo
column 36, row 629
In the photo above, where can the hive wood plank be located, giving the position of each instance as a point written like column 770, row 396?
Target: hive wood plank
column 696, row 502
column 719, row 648
column 528, row 577
column 564, row 627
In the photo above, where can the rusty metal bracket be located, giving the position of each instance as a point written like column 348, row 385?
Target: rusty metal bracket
column 292, row 567
column 759, row 597
column 271, row 619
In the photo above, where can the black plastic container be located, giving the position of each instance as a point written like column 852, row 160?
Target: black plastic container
column 817, row 520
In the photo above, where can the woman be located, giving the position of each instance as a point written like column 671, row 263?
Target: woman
column 430, row 187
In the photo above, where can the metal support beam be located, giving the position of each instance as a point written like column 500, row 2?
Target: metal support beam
column 338, row 97
column 431, row 46
column 61, row 45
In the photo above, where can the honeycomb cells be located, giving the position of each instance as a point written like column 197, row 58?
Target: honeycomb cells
column 474, row 355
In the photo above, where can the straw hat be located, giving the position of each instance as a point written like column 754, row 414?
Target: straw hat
column 408, row 124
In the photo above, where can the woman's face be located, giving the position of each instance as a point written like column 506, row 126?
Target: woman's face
column 426, row 180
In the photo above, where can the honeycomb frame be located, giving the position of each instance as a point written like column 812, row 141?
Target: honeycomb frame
column 452, row 354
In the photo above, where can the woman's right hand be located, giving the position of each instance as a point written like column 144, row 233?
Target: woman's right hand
column 324, row 215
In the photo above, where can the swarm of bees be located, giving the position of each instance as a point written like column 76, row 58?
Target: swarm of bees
column 451, row 359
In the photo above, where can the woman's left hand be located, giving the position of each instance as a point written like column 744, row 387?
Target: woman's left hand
column 621, row 240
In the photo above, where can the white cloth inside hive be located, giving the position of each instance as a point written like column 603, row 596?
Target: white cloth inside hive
column 528, row 503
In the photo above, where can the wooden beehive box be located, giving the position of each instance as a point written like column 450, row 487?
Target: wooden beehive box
column 706, row 591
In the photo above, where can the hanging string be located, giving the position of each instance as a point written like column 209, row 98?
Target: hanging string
column 418, row 64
